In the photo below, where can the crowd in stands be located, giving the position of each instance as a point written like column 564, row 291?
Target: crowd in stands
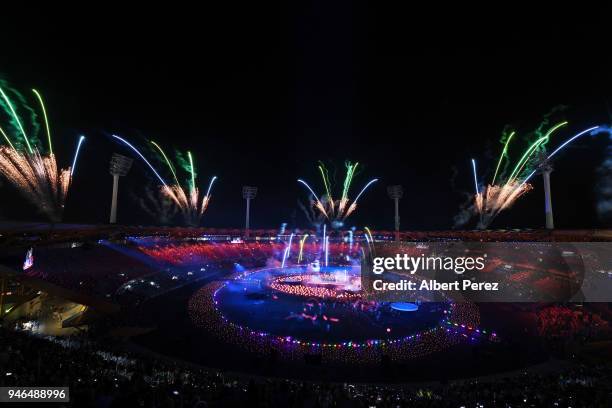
column 100, row 376
column 559, row 321
column 187, row 253
column 41, row 234
column 97, row 270
column 246, row 254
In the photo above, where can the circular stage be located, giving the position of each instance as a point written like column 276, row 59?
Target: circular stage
column 323, row 306
column 299, row 310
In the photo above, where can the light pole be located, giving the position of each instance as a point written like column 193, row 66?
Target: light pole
column 395, row 193
column 248, row 193
column 119, row 167
column 545, row 168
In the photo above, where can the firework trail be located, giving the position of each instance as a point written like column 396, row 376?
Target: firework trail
column 191, row 206
column 170, row 166
column 327, row 251
column 44, row 111
column 350, row 171
column 532, row 149
column 325, row 177
column 191, row 170
column 336, row 211
column 593, row 131
column 324, row 235
column 7, row 138
column 287, row 252
column 369, row 234
column 503, row 155
column 8, row 107
column 76, row 154
column 495, row 198
column 36, row 176
column 318, row 202
column 128, row 144
column 353, row 206
column 302, row 241
column 475, row 176
column 369, row 241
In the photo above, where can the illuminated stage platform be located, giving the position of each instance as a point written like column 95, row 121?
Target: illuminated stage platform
column 298, row 311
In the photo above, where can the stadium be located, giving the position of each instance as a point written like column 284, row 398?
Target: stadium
column 247, row 311
column 309, row 205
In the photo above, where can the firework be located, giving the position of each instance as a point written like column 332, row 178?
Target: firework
column 369, row 233
column 353, row 206
column 44, row 111
column 287, row 251
column 302, row 241
column 332, row 210
column 6, row 138
column 326, row 240
column 475, row 176
column 350, row 171
column 170, row 166
column 11, row 111
column 325, row 177
column 593, row 131
column 36, row 176
column 317, row 202
column 190, row 204
column 76, row 154
column 191, row 170
column 504, row 154
column 128, row 144
column 495, row 198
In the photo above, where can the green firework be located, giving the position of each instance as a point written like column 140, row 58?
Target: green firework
column 326, row 183
column 503, row 154
column 170, row 166
column 531, row 149
column 192, row 170
column 44, row 111
column 15, row 121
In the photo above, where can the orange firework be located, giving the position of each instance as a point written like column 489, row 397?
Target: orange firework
column 190, row 205
column 34, row 174
column 38, row 178
column 495, row 198
column 336, row 211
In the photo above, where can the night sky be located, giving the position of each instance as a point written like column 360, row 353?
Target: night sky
column 259, row 94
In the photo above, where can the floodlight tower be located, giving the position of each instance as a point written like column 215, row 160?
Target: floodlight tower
column 248, row 193
column 395, row 193
column 119, row 167
column 545, row 168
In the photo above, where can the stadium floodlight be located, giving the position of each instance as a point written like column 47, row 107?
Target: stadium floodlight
column 396, row 193
column 248, row 193
column 545, row 167
column 119, row 167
